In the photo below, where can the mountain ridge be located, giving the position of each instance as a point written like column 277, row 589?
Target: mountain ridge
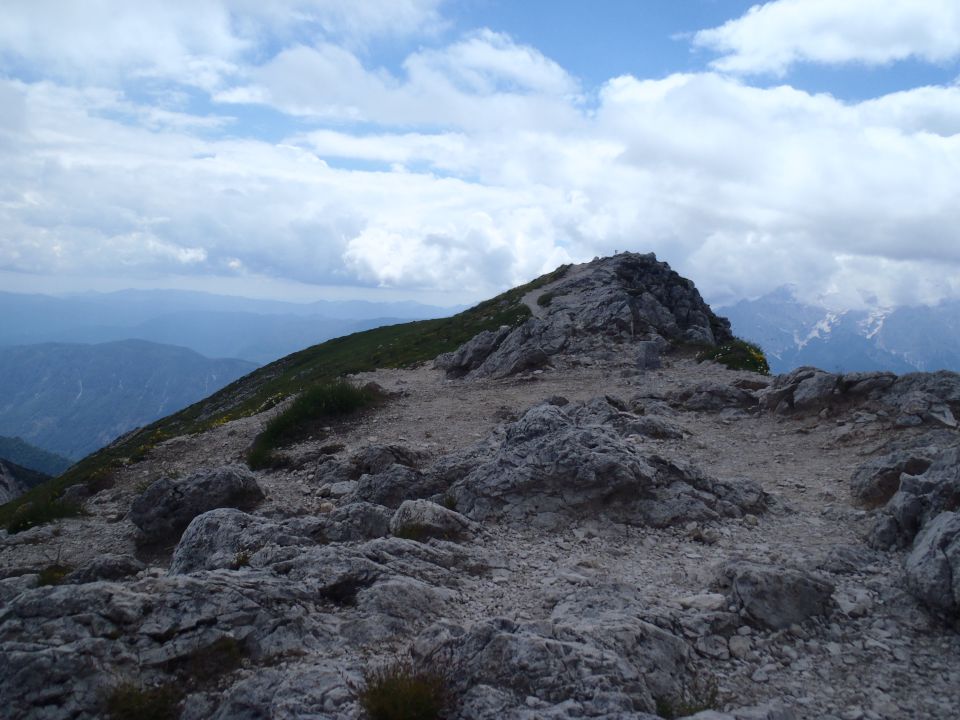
column 579, row 519
column 902, row 339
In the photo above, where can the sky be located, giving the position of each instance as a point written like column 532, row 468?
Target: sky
column 444, row 151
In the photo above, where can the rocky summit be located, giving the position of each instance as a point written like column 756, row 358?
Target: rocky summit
column 571, row 516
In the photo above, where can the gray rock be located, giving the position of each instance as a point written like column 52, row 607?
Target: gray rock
column 558, row 464
column 713, row 397
column 555, row 664
column 877, row 480
column 226, row 538
column 353, row 522
column 472, row 353
column 919, row 499
column 105, row 567
column 422, row 519
column 628, row 298
column 163, row 511
column 933, row 565
column 393, row 485
column 374, row 459
column 803, row 389
column 776, row 597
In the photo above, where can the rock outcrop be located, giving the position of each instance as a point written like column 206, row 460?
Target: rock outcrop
column 625, row 299
column 557, row 465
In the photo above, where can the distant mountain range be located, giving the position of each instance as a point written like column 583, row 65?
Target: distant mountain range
column 213, row 325
column 904, row 339
column 17, row 450
column 72, row 399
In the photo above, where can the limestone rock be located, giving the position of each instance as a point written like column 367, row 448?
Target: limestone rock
column 626, row 298
column 393, row 485
column 422, row 519
column 877, row 480
column 919, row 499
column 163, row 511
column 776, row 597
column 109, row 566
column 713, row 397
column 557, row 464
column 933, row 565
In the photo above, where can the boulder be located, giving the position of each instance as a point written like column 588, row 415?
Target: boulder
column 933, row 565
column 919, row 499
column 775, row 597
column 163, row 511
column 803, row 389
column 877, row 480
column 422, row 519
column 392, row 486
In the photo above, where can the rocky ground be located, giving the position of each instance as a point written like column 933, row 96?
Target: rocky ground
column 593, row 538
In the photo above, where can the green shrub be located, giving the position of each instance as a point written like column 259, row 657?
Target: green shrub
column 545, row 299
column 132, row 702
column 701, row 694
column 39, row 511
column 53, row 574
column 400, row 690
column 737, row 355
column 320, row 402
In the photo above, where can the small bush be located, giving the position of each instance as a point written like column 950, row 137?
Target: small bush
column 53, row 574
column 320, row 402
column 401, row 691
column 241, row 559
column 132, row 702
column 545, row 299
column 737, row 355
column 41, row 511
column 702, row 694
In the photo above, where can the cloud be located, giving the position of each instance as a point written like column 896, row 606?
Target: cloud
column 772, row 37
column 471, row 166
column 475, row 83
column 199, row 43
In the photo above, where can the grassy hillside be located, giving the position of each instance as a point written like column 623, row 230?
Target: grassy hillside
column 391, row 346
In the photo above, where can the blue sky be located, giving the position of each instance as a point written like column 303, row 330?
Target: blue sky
column 443, row 151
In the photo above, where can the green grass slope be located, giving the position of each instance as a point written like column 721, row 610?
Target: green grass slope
column 390, row 346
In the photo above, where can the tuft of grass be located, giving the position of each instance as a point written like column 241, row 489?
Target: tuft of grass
column 53, row 574
column 449, row 502
column 320, row 402
column 241, row 559
column 737, row 355
column 399, row 690
column 41, row 510
column 545, row 299
column 128, row 701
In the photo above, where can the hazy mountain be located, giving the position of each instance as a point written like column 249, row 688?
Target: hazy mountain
column 212, row 325
column 72, row 399
column 904, row 339
column 16, row 480
column 17, row 450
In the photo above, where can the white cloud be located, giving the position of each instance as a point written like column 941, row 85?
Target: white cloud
column 476, row 166
column 194, row 42
column 474, row 83
column 771, row 37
